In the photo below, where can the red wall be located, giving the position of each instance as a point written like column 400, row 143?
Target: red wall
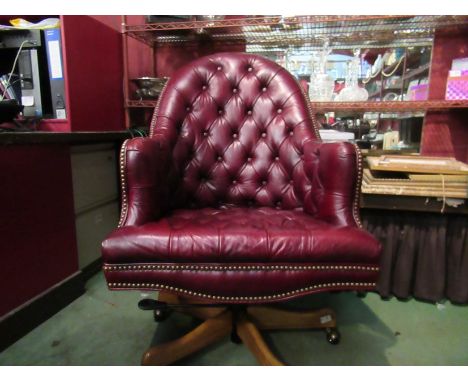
column 445, row 133
column 139, row 53
column 169, row 58
column 94, row 70
column 37, row 223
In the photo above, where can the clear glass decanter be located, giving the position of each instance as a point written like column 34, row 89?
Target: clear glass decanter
column 321, row 84
column 352, row 91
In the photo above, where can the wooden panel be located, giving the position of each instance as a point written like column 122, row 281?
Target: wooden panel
column 409, row 203
column 414, row 191
column 418, row 164
column 385, row 178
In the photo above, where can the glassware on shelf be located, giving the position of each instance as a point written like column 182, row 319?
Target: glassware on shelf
column 352, row 91
column 321, row 83
column 207, row 18
column 321, row 87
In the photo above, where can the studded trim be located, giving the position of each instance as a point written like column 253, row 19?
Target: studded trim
column 309, row 108
column 357, row 192
column 171, row 267
column 156, row 110
column 123, row 183
column 123, row 157
column 241, row 298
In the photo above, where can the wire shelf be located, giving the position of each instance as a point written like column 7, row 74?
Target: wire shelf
column 277, row 32
column 375, row 106
column 388, row 106
column 141, row 103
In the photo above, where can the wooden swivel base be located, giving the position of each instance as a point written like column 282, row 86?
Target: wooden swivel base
column 241, row 324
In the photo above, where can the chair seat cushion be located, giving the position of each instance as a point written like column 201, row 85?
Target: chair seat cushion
column 238, row 235
column 241, row 255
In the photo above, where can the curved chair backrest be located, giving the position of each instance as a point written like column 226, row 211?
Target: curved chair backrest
column 235, row 125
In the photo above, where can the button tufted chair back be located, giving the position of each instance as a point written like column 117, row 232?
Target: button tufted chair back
column 235, row 125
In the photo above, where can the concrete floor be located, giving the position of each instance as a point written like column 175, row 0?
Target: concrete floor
column 107, row 328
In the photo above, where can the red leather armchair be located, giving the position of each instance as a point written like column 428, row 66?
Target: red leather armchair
column 234, row 200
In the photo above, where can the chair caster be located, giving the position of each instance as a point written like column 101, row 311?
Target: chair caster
column 235, row 339
column 333, row 336
column 161, row 315
column 160, row 309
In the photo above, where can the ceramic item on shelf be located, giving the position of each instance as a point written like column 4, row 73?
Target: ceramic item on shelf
column 390, row 140
column 393, row 56
column 378, row 64
column 391, row 97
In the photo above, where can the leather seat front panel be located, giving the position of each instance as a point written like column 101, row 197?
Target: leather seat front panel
column 240, row 235
column 240, row 283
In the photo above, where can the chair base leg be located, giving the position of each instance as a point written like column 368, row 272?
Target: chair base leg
column 252, row 338
column 243, row 325
column 207, row 333
column 270, row 318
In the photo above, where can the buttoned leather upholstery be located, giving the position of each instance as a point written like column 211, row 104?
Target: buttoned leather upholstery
column 235, row 175
column 236, row 126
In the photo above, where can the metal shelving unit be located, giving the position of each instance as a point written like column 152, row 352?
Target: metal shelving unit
column 371, row 106
column 268, row 34
column 141, row 103
column 277, row 31
column 389, row 106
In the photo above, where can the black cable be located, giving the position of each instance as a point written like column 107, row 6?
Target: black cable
column 14, row 66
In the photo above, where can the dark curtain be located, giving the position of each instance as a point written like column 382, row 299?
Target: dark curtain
column 425, row 255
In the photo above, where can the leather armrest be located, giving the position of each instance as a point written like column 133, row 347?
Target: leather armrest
column 142, row 172
column 335, row 170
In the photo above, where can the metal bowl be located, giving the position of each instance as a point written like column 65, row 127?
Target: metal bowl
column 145, row 93
column 150, row 82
